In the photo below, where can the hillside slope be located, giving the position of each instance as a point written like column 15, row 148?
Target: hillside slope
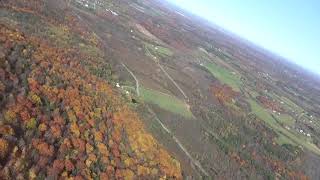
column 140, row 89
column 59, row 116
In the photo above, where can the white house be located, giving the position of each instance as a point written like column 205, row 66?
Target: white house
column 301, row 131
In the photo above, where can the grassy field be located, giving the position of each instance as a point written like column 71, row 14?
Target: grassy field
column 286, row 119
column 284, row 136
column 224, row 76
column 166, row 102
column 158, row 50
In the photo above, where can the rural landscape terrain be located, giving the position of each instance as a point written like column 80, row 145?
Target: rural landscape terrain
column 140, row 89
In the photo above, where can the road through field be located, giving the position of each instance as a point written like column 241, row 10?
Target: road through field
column 168, row 75
column 173, row 81
column 193, row 161
column 134, row 77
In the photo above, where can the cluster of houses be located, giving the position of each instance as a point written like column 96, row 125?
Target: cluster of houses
column 265, row 76
column 279, row 113
column 88, row 3
column 301, row 131
column 94, row 4
column 118, row 86
column 304, row 133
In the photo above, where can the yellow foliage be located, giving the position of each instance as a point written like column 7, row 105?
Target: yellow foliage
column 144, row 145
column 35, row 99
column 31, row 124
column 71, row 116
column 3, row 148
column 32, row 174
column 129, row 162
column 167, row 163
column 143, row 171
column 42, row 127
column 76, row 106
column 97, row 113
column 89, row 148
column 98, row 136
column 105, row 160
column 154, row 171
column 65, row 174
column 2, row 87
column 103, row 149
column 64, row 28
column 10, row 115
column 93, row 39
column 91, row 159
column 128, row 174
column 15, row 36
column 102, row 87
column 75, row 129
column 6, row 130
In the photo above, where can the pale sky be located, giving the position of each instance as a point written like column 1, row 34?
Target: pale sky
column 290, row 28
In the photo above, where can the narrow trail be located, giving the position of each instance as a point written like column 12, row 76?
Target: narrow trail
column 173, row 81
column 168, row 75
column 134, row 77
column 195, row 162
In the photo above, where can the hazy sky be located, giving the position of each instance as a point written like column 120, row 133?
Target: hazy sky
column 290, row 28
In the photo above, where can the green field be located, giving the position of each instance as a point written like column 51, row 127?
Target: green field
column 284, row 136
column 157, row 50
column 286, row 119
column 224, row 76
column 166, row 102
